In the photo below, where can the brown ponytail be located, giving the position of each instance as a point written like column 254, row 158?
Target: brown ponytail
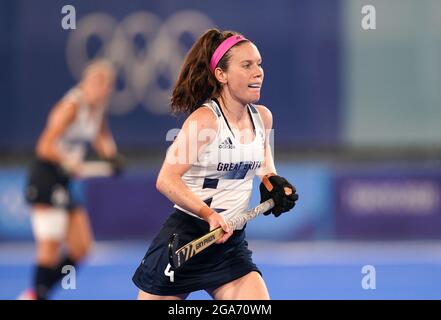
column 196, row 83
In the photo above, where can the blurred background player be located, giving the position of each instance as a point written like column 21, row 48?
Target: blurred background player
column 76, row 120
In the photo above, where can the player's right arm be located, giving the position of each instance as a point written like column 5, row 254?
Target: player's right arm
column 197, row 132
column 61, row 116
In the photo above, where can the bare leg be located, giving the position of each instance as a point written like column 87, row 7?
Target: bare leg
column 142, row 295
column 249, row 287
column 79, row 235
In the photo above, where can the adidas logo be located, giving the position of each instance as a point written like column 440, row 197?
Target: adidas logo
column 226, row 144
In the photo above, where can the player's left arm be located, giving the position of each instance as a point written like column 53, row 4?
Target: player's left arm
column 268, row 162
column 273, row 186
column 106, row 148
column 104, row 143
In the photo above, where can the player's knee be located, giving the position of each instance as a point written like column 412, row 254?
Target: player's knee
column 78, row 254
column 87, row 247
column 80, row 250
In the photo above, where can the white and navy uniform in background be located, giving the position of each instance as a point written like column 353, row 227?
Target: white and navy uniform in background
column 222, row 177
column 48, row 182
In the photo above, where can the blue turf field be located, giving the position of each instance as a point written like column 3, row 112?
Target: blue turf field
column 315, row 270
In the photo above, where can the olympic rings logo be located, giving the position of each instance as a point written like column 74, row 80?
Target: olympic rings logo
column 147, row 54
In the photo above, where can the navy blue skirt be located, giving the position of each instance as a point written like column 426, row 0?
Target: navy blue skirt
column 209, row 269
column 49, row 184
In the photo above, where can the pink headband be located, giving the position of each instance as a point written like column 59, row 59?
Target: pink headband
column 223, row 48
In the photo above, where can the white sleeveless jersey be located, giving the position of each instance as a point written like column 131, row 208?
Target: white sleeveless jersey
column 82, row 130
column 223, row 174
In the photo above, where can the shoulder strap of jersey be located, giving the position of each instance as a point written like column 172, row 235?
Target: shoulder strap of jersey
column 216, row 108
column 257, row 119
